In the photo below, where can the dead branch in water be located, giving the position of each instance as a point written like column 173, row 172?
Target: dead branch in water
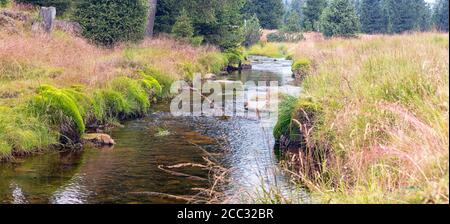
column 217, row 178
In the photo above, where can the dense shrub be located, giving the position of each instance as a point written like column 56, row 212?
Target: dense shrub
column 107, row 22
column 61, row 6
column 2, row 4
column 252, row 31
column 183, row 26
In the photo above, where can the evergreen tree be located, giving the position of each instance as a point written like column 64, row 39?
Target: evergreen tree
column 312, row 11
column 270, row 12
column 183, row 26
column 220, row 22
column 252, row 31
column 293, row 23
column 107, row 22
column 4, row 3
column 440, row 16
column 372, row 17
column 407, row 15
column 340, row 19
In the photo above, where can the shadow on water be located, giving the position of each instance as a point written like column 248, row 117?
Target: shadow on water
column 113, row 175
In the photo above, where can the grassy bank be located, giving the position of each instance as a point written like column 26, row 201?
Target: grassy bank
column 373, row 121
column 274, row 50
column 54, row 87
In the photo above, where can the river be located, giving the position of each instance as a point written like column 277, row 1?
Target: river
column 131, row 169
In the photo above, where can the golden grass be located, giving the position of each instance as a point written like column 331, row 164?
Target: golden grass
column 28, row 60
column 384, row 120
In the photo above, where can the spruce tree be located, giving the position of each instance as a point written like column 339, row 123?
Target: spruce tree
column 252, row 31
column 270, row 12
column 440, row 17
column 108, row 22
column 340, row 19
column 183, row 26
column 220, row 22
column 312, row 11
column 293, row 23
column 372, row 17
column 407, row 15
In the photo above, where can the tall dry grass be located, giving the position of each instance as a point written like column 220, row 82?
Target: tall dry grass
column 384, row 118
column 30, row 59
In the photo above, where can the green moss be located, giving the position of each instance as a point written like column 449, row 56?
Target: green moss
column 189, row 69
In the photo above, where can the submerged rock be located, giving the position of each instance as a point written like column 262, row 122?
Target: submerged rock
column 98, row 139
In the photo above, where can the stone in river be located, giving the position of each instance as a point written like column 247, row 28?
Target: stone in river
column 98, row 139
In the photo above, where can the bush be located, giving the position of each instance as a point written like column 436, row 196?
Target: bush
column 235, row 57
column 3, row 3
column 109, row 22
column 252, row 31
column 62, row 6
column 183, row 26
column 164, row 80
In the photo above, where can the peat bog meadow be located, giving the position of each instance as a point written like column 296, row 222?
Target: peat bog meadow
column 362, row 102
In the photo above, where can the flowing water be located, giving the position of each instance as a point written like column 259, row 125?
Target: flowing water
column 122, row 173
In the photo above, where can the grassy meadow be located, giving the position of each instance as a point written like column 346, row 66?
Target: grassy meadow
column 374, row 119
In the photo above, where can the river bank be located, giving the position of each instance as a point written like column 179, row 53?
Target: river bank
column 53, row 88
column 161, row 159
column 372, row 123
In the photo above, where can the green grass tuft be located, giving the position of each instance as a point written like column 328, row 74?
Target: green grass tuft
column 58, row 108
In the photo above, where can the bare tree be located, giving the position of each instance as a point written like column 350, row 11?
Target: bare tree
column 151, row 17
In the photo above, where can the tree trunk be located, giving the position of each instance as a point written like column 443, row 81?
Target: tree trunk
column 151, row 17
